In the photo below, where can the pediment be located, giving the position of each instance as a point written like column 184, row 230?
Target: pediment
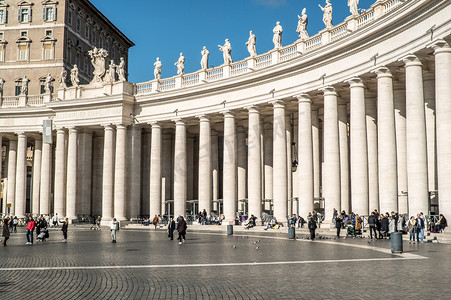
column 23, row 39
column 4, row 5
column 48, row 39
column 49, row 2
column 25, row 3
column 3, row 42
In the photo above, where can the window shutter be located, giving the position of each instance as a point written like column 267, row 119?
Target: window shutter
column 31, row 14
column 6, row 16
column 54, row 13
column 44, row 15
column 19, row 15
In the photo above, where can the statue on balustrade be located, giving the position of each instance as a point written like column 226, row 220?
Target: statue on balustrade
column 98, row 61
column 157, row 69
column 353, row 7
column 251, row 44
column 302, row 25
column 204, row 60
column 48, row 84
column 110, row 75
column 74, row 76
column 2, row 84
column 226, row 52
column 121, row 70
column 327, row 14
column 180, row 65
column 277, row 38
column 24, row 89
column 63, row 78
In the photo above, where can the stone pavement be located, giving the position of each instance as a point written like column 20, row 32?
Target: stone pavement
column 144, row 264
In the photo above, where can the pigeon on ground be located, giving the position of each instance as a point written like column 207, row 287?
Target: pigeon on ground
column 256, row 248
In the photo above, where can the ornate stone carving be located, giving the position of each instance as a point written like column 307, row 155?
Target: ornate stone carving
column 24, row 89
column 204, row 60
column 74, row 76
column 121, row 70
column 98, row 61
column 226, row 52
column 327, row 14
column 353, row 7
column 63, row 78
column 302, row 25
column 277, row 37
column 48, row 84
column 251, row 44
column 180, row 65
column 110, row 75
column 157, row 69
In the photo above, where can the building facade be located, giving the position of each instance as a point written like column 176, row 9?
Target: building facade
column 356, row 118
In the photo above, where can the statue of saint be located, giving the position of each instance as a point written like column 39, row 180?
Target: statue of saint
column 180, row 65
column 74, row 76
column 302, row 25
column 277, row 38
column 157, row 70
column 353, row 7
column 63, row 78
column 327, row 14
column 226, row 52
column 24, row 90
column 110, row 76
column 2, row 84
column 204, row 60
column 121, row 70
column 48, row 84
column 98, row 61
column 251, row 44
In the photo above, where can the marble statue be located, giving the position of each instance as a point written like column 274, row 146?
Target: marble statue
column 63, row 78
column 157, row 70
column 277, row 38
column 2, row 84
column 120, row 70
column 98, row 61
column 353, row 7
column 180, row 65
column 251, row 44
column 327, row 14
column 110, row 75
column 302, row 25
column 226, row 52
column 48, row 84
column 74, row 76
column 24, row 89
column 204, row 60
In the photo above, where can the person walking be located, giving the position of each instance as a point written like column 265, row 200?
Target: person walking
column 64, row 229
column 171, row 228
column 5, row 232
column 420, row 230
column 155, row 221
column 338, row 224
column 181, row 228
column 114, row 229
column 55, row 220
column 372, row 224
column 30, row 229
column 412, row 225
column 15, row 222
column 312, row 227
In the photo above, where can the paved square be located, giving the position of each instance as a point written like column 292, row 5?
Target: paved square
column 144, row 264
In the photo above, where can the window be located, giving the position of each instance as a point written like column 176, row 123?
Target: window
column 3, row 14
column 42, row 85
column 86, row 65
column 78, row 25
column 24, row 33
column 100, row 42
column 18, row 87
column 48, row 51
column 94, row 37
column 23, row 49
column 87, row 32
column 24, row 15
column 1, row 36
column 48, row 33
column 49, row 13
column 69, row 18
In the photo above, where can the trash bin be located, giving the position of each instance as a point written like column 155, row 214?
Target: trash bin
column 291, row 233
column 396, row 242
column 229, row 229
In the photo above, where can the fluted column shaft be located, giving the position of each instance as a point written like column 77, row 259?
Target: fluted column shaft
column 85, row 173
column 254, row 163
column 371, row 132
column 46, row 173
column 359, row 150
column 108, row 174
column 305, row 152
column 399, row 97
column 288, row 138
column 119, row 173
column 268, row 161
column 155, row 170
column 388, row 184
column 71, row 192
column 12, row 160
column 316, row 153
column 214, row 169
column 180, row 174
column 241, row 164
column 60, row 173
column 230, row 169
column 135, row 173
column 344, row 155
column 205, row 178
column 21, row 175
column 280, row 196
column 37, row 158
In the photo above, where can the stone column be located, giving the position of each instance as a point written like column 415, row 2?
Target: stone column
column 279, row 162
column 108, row 175
column 229, row 168
column 399, row 97
column 37, row 157
column 71, row 192
column 316, row 156
column 241, row 164
column 119, row 173
column 12, row 160
column 254, row 163
column 344, row 155
column 359, row 150
column 417, row 166
column 288, row 164
column 155, row 170
column 205, row 178
column 180, row 180
column 46, row 173
column 21, row 175
column 388, row 184
column 331, row 180
column 214, row 169
column 135, row 173
column 60, row 173
column 371, row 132
column 85, row 171
column 305, row 152
column 268, row 160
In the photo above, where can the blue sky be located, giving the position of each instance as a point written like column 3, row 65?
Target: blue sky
column 164, row 28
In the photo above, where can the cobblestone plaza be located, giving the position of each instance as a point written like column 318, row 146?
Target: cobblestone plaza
column 144, row 264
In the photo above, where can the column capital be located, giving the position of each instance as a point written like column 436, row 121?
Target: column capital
column 179, row 122
column 355, row 82
column 60, row 130
column 155, row 124
column 329, row 91
column 304, row 98
column 382, row 72
column 253, row 109
column 204, row 118
column 411, row 60
column 107, row 126
column 121, row 127
column 440, row 46
column 278, row 103
column 73, row 130
column 21, row 134
column 228, row 114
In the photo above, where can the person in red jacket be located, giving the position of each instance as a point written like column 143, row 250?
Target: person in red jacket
column 30, row 229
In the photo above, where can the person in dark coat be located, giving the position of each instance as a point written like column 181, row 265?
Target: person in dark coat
column 338, row 224
column 64, row 229
column 312, row 227
column 384, row 225
column 181, row 228
column 5, row 233
column 372, row 221
column 379, row 226
column 171, row 228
